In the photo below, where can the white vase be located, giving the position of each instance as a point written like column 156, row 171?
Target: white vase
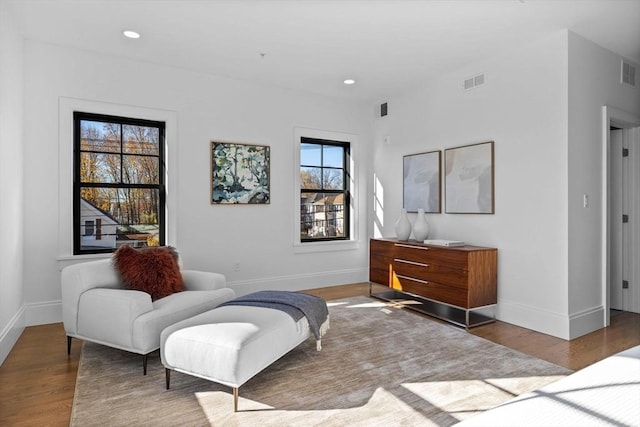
column 420, row 226
column 403, row 226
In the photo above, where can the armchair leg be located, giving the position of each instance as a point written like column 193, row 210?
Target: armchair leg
column 68, row 345
column 144, row 364
column 167, row 375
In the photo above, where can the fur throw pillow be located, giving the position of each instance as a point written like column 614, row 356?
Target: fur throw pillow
column 153, row 270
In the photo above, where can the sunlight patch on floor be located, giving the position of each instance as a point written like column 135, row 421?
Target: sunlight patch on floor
column 373, row 304
column 218, row 405
column 336, row 303
column 465, row 398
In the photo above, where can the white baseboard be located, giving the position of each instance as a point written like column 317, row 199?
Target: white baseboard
column 11, row 333
column 301, row 281
column 42, row 313
column 586, row 321
column 546, row 322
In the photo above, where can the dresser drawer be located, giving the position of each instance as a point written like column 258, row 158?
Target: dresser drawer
column 379, row 276
column 381, row 248
column 435, row 291
column 380, row 261
column 457, row 259
column 432, row 272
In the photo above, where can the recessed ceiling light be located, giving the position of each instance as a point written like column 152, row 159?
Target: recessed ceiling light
column 131, row 34
column 349, row 81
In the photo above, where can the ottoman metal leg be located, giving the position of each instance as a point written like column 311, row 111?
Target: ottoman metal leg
column 235, row 399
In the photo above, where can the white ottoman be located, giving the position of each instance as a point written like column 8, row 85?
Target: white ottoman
column 231, row 344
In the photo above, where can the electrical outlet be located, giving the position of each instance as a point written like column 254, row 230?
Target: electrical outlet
column 236, row 266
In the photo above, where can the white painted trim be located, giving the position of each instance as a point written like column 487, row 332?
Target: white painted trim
column 301, row 282
column 11, row 333
column 310, row 247
column 43, row 313
column 619, row 118
column 547, row 322
column 65, row 162
column 314, row 247
column 585, row 321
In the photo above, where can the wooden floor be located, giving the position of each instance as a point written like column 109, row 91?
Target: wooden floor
column 37, row 380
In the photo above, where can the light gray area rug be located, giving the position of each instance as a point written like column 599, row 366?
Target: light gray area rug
column 379, row 365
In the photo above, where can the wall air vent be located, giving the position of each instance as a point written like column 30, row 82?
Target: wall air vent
column 628, row 73
column 473, row 82
column 384, row 109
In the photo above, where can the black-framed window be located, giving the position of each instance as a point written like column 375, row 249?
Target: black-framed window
column 118, row 185
column 324, row 190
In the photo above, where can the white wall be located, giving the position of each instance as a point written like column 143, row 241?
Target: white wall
column 209, row 237
column 523, row 108
column 11, row 182
column 594, row 81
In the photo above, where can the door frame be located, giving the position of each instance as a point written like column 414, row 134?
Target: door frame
column 611, row 116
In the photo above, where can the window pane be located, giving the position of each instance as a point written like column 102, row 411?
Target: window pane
column 311, row 178
column 332, row 156
column 100, row 168
column 96, row 206
column 321, row 215
column 310, row 155
column 126, row 216
column 141, row 140
column 140, row 170
column 333, row 179
column 139, row 216
column 99, row 136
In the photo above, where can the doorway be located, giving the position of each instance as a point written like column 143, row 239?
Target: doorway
column 621, row 212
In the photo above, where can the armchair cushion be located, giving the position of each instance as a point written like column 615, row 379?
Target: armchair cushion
column 153, row 270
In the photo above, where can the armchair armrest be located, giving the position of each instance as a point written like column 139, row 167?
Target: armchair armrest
column 79, row 278
column 203, row 280
column 106, row 315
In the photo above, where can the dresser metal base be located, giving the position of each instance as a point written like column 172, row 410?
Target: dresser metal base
column 466, row 318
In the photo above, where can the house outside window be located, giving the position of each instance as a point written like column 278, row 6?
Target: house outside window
column 324, row 190
column 118, row 190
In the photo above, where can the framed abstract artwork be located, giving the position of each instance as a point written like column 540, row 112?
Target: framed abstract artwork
column 240, row 173
column 469, row 186
column 421, row 182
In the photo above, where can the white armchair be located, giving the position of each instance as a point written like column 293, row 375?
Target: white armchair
column 96, row 306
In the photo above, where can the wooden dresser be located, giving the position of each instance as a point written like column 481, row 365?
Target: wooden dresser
column 457, row 284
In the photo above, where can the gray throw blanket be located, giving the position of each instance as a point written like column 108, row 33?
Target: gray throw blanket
column 294, row 304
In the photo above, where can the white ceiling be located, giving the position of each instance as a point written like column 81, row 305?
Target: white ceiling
column 313, row 45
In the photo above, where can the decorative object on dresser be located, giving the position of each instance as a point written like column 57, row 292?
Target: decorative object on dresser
column 403, row 226
column 420, row 226
column 421, row 181
column 454, row 283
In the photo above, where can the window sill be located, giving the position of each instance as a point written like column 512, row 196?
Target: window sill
column 66, row 260
column 332, row 246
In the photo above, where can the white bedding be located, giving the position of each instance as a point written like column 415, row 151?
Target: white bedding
column 606, row 393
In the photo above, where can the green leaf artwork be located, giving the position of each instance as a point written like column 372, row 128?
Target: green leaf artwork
column 239, row 173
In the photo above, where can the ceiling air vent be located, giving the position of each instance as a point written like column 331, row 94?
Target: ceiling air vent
column 628, row 73
column 474, row 81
